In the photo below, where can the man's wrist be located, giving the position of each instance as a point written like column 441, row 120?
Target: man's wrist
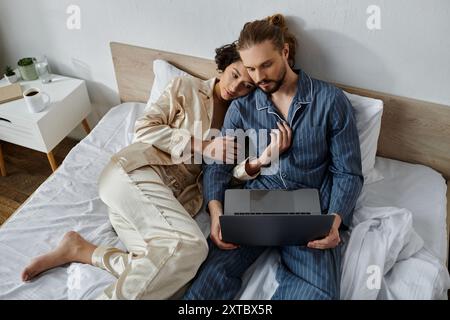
column 337, row 220
column 263, row 161
column 252, row 166
column 215, row 214
column 215, row 208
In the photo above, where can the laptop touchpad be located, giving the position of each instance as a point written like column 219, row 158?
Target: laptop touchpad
column 271, row 201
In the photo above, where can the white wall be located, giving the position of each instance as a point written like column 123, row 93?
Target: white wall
column 409, row 56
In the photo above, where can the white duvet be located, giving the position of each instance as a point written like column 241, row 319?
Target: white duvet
column 385, row 258
column 383, row 236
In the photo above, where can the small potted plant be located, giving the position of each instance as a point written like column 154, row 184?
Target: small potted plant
column 10, row 75
column 27, row 69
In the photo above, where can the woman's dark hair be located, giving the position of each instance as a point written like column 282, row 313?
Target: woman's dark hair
column 226, row 55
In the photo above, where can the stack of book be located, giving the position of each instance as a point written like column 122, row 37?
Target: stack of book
column 10, row 92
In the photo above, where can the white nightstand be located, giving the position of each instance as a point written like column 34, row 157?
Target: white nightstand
column 42, row 131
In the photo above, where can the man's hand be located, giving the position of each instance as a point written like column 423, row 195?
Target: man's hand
column 215, row 209
column 332, row 240
column 280, row 141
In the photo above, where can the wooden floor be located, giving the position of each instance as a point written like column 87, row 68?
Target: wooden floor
column 26, row 171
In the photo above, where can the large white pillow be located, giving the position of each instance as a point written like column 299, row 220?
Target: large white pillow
column 368, row 114
column 164, row 72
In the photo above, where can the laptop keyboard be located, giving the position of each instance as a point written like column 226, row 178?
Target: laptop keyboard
column 255, row 213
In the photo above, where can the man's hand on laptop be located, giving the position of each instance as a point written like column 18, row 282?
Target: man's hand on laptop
column 332, row 240
column 215, row 211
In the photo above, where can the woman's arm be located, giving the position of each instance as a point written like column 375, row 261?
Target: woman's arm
column 155, row 127
column 248, row 169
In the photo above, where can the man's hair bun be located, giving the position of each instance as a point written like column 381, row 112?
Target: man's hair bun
column 277, row 20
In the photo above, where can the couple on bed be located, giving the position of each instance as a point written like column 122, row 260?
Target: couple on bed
column 152, row 200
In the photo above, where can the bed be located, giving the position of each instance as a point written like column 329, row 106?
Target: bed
column 69, row 200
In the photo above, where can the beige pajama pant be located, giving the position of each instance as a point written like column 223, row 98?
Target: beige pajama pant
column 165, row 245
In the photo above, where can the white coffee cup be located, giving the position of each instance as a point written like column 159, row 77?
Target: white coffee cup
column 34, row 99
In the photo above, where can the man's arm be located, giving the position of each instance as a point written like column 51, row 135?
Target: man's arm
column 216, row 178
column 345, row 164
column 345, row 168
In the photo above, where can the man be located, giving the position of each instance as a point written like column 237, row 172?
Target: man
column 319, row 148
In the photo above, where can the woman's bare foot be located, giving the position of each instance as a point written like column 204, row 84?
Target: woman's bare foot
column 72, row 248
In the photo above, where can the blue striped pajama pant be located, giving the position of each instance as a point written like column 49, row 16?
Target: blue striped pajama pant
column 303, row 274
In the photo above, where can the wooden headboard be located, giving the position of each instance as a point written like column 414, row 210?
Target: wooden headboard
column 134, row 69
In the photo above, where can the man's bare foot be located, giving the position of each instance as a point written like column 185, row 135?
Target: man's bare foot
column 72, row 248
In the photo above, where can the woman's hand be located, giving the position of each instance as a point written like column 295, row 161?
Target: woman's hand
column 223, row 149
column 280, row 141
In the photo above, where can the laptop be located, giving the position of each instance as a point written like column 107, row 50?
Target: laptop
column 273, row 217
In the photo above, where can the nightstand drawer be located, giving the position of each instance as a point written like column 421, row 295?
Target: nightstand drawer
column 19, row 132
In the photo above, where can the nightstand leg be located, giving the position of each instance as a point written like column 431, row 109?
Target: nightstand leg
column 52, row 161
column 86, row 126
column 2, row 163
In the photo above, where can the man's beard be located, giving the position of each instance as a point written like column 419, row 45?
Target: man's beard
column 278, row 83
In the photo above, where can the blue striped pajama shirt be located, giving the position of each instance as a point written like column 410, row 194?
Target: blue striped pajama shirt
column 324, row 154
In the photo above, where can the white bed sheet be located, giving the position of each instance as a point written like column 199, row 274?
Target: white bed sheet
column 69, row 201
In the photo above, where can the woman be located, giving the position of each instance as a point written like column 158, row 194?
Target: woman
column 152, row 198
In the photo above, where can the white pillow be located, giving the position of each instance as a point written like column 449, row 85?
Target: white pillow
column 164, row 72
column 368, row 113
